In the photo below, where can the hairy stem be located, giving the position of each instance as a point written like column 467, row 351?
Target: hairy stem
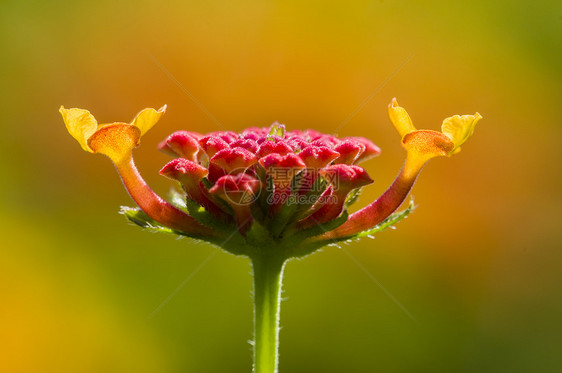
column 268, row 277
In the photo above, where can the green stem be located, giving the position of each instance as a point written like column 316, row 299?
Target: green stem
column 268, row 276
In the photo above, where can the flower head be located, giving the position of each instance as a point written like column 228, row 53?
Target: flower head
column 266, row 184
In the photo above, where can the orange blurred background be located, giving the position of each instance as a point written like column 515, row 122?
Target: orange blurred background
column 478, row 265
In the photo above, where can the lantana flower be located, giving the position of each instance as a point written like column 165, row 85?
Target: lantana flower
column 268, row 193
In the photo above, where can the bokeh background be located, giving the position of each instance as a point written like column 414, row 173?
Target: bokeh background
column 474, row 275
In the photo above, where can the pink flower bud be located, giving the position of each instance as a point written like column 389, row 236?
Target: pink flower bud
column 281, row 169
column 254, row 133
column 349, row 151
column 182, row 143
column 211, row 145
column 247, row 144
column 317, row 157
column 240, row 192
column 184, row 171
column 276, row 160
column 234, row 160
column 371, row 150
column 236, row 188
column 190, row 174
column 326, row 140
column 274, row 147
column 298, row 143
column 344, row 178
column 227, row 136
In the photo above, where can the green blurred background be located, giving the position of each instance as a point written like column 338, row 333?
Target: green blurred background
column 478, row 265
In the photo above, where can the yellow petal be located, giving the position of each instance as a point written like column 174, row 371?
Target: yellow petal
column 116, row 140
column 400, row 118
column 80, row 124
column 147, row 118
column 459, row 128
column 422, row 145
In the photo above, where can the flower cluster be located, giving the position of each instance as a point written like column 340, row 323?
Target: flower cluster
column 265, row 185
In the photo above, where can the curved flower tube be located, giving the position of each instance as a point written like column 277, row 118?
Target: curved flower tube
column 421, row 146
column 117, row 141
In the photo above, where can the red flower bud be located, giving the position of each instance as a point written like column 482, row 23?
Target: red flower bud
column 281, row 169
column 317, row 157
column 273, row 147
column 326, row 140
column 227, row 136
column 212, row 145
column 234, row 160
column 247, row 144
column 344, row 178
column 371, row 150
column 254, row 133
column 182, row 143
column 240, row 192
column 275, row 160
column 349, row 151
column 185, row 171
column 190, row 174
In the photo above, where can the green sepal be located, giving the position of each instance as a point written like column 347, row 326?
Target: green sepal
column 318, row 229
column 140, row 218
column 352, row 197
column 308, row 248
column 388, row 222
column 293, row 209
column 177, row 199
column 318, row 187
column 200, row 214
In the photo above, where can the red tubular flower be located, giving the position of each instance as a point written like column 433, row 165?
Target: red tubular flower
column 191, row 174
column 281, row 169
column 315, row 158
column 239, row 191
column 343, row 179
column 117, row 141
column 421, row 146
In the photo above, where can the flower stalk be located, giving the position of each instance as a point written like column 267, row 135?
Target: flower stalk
column 268, row 278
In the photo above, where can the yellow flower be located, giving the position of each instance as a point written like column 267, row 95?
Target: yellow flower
column 422, row 145
column 115, row 140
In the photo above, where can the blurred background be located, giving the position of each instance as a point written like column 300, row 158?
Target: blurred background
column 471, row 282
